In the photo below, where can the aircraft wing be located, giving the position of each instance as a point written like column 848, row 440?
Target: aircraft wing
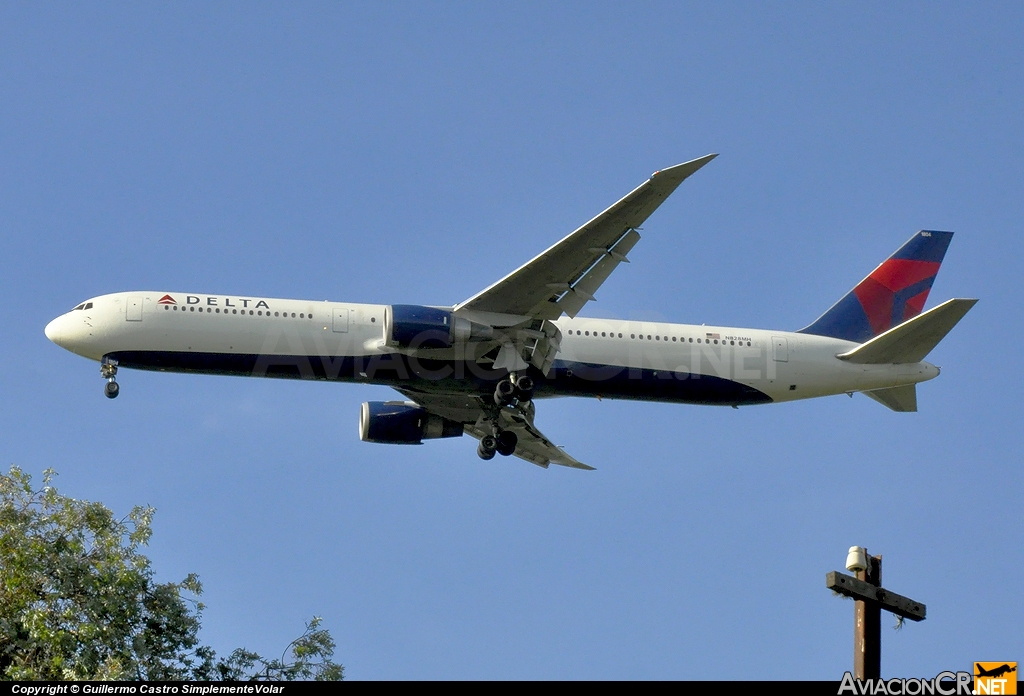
column 566, row 276
column 468, row 409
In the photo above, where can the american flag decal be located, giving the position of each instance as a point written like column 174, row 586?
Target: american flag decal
column 713, row 335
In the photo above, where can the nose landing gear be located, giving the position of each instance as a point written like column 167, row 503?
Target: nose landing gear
column 108, row 370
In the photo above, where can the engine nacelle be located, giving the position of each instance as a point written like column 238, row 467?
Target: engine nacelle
column 402, row 423
column 415, row 326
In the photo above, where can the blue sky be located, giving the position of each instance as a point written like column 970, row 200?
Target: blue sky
column 417, row 152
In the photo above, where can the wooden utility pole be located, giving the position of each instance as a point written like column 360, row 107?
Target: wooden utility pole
column 870, row 598
column 867, row 626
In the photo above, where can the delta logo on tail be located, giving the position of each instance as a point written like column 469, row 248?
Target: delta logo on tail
column 891, row 294
column 167, row 299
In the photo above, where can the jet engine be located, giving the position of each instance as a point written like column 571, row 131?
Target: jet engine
column 415, row 326
column 402, row 423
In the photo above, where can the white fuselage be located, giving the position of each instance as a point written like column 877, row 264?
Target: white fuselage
column 344, row 341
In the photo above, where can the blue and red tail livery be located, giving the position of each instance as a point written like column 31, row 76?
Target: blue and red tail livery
column 891, row 294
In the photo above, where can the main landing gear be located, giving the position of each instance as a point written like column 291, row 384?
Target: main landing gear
column 504, row 443
column 515, row 388
column 487, row 448
column 108, row 370
column 515, row 392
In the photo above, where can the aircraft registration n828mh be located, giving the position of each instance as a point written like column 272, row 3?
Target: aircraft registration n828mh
column 479, row 367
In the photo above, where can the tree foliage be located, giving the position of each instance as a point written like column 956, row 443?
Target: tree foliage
column 78, row 601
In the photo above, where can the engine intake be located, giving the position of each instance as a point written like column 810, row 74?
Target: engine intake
column 403, row 423
column 415, row 326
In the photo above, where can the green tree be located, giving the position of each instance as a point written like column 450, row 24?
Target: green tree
column 78, row 601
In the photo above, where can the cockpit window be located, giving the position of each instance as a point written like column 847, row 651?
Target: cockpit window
column 81, row 306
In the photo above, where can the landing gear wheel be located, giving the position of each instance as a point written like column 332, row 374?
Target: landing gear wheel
column 487, row 447
column 524, row 387
column 507, row 442
column 503, row 392
column 108, row 370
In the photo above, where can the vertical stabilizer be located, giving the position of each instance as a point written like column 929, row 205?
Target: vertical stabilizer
column 893, row 293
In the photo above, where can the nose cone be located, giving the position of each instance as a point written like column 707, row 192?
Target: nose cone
column 53, row 331
column 74, row 332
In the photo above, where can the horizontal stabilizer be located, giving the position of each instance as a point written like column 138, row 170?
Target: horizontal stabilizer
column 912, row 340
column 902, row 399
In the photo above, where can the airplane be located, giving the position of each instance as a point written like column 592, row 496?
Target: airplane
column 479, row 366
column 994, row 672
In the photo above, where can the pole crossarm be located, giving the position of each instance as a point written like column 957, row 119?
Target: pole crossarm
column 890, row 601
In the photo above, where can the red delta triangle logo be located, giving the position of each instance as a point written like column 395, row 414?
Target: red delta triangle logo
column 896, row 291
column 166, row 299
